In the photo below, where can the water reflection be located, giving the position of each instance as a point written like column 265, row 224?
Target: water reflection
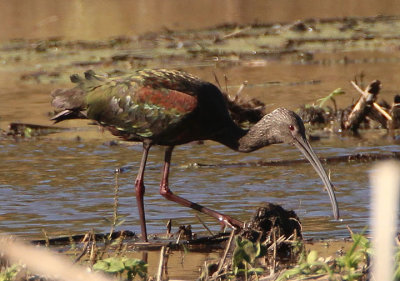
column 68, row 186
column 99, row 19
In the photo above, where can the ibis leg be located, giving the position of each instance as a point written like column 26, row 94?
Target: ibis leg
column 167, row 193
column 140, row 189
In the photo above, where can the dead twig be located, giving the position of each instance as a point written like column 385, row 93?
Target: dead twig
column 240, row 90
column 46, row 238
column 179, row 237
column 222, row 261
column 169, row 226
column 93, row 249
column 217, row 80
column 275, row 243
column 236, row 32
column 86, row 239
column 161, row 264
column 226, row 84
column 205, row 226
column 349, row 229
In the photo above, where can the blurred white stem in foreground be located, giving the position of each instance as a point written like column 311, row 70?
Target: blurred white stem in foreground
column 385, row 180
column 45, row 262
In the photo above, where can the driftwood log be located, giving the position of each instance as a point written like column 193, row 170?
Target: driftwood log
column 363, row 106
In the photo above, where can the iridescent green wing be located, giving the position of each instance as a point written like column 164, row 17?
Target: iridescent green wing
column 145, row 104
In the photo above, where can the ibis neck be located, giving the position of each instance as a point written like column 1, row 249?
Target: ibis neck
column 250, row 140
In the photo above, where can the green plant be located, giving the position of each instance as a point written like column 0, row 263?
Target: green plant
column 9, row 273
column 120, row 266
column 244, row 256
column 351, row 266
column 310, row 265
column 350, row 263
column 331, row 97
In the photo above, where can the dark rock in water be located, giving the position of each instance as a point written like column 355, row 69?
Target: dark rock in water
column 271, row 220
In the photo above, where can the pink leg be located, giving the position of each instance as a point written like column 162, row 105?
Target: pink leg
column 140, row 189
column 167, row 193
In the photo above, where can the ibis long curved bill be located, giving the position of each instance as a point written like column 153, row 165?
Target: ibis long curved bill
column 303, row 145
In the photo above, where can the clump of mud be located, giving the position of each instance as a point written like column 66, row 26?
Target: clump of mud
column 271, row 222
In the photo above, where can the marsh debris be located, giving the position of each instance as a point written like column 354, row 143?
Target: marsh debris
column 245, row 111
column 185, row 232
column 272, row 218
column 272, row 237
column 366, row 113
column 357, row 157
column 315, row 115
column 363, row 107
column 27, row 130
column 65, row 240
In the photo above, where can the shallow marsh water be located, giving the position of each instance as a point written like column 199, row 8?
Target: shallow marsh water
column 65, row 186
column 60, row 185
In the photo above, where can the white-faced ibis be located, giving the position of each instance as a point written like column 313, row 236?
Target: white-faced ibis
column 169, row 108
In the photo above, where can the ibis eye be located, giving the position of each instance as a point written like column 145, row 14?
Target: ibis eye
column 291, row 127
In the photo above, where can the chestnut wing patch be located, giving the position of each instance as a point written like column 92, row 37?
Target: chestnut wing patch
column 139, row 111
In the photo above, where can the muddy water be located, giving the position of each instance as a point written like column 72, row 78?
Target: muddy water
column 65, row 186
column 99, row 19
column 57, row 183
